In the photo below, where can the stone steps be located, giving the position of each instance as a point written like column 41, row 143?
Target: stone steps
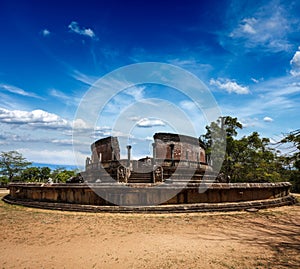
column 136, row 177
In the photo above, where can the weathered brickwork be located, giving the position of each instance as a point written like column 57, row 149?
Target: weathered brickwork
column 106, row 149
column 217, row 193
column 178, row 147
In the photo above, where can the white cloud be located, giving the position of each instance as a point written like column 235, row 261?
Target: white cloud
column 295, row 63
column 74, row 27
column 268, row 28
column 147, row 123
column 19, row 91
column 68, row 142
column 268, row 119
column 148, row 138
column 189, row 105
column 80, row 124
column 229, row 86
column 35, row 118
column 46, row 32
column 247, row 27
column 62, row 141
column 137, row 92
column 134, row 118
column 278, row 96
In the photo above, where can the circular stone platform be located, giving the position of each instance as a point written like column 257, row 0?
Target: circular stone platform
column 187, row 198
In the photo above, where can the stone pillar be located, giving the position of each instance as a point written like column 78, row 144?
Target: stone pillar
column 172, row 153
column 128, row 155
column 112, row 153
column 87, row 162
column 154, row 153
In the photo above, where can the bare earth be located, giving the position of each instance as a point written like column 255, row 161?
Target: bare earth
column 33, row 238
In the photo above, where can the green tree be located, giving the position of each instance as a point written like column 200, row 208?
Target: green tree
column 44, row 173
column 247, row 159
column 35, row 174
column 30, row 174
column 294, row 139
column 3, row 180
column 292, row 159
column 254, row 160
column 61, row 174
column 12, row 163
column 219, row 141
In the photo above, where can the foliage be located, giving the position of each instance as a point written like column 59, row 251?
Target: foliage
column 14, row 167
column 35, row 174
column 292, row 160
column 248, row 159
column 11, row 164
column 3, row 180
column 219, row 142
column 61, row 174
column 32, row 174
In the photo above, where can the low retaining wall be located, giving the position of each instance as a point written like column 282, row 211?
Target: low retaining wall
column 219, row 196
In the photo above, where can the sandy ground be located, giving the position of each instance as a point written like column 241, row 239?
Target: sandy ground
column 33, row 238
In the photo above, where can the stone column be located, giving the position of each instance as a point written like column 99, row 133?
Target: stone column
column 128, row 155
column 172, row 153
column 87, row 162
column 154, row 153
column 112, row 153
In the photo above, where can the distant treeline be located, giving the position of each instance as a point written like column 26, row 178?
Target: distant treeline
column 14, row 168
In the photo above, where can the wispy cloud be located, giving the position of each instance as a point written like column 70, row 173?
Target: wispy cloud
column 229, row 86
column 75, row 28
column 86, row 79
column 59, row 94
column 19, row 91
column 268, row 28
column 136, row 92
column 271, row 96
column 192, row 64
column 125, row 98
column 69, row 99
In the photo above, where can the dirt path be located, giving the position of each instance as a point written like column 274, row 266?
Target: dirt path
column 32, row 238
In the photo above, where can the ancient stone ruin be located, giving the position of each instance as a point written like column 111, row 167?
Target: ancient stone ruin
column 177, row 178
column 174, row 156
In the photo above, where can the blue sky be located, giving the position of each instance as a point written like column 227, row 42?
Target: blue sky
column 51, row 52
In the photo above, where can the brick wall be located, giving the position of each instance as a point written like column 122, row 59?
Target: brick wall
column 106, row 149
column 178, row 147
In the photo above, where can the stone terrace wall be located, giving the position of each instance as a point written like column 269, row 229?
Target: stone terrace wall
column 82, row 194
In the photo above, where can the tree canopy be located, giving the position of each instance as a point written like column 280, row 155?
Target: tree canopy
column 13, row 166
column 251, row 158
column 12, row 163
